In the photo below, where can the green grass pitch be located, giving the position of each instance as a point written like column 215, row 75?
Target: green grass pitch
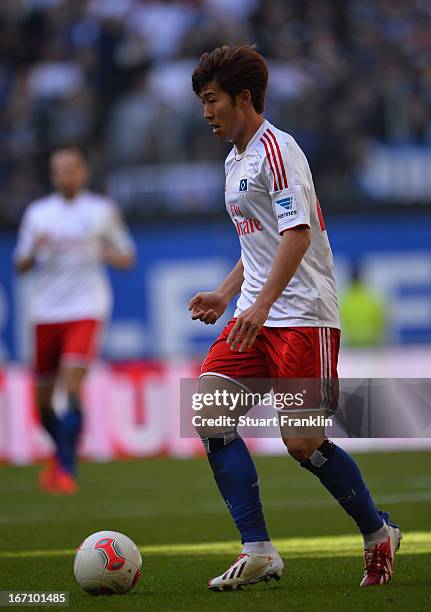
column 172, row 510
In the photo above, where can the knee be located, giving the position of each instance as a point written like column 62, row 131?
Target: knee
column 73, row 388
column 215, row 418
column 302, row 448
column 202, row 431
column 44, row 398
column 214, row 431
column 201, row 422
column 298, row 452
column 73, row 379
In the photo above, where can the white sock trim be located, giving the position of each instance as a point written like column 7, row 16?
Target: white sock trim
column 378, row 537
column 258, row 548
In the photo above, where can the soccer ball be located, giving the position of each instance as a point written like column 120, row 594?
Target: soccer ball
column 107, row 563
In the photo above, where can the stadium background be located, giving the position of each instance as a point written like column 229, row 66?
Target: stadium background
column 350, row 80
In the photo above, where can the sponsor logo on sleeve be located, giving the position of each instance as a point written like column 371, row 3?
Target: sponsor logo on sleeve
column 243, row 185
column 286, row 207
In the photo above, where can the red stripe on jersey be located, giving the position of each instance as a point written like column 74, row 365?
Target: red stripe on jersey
column 274, row 160
column 280, row 159
column 270, row 163
column 319, row 214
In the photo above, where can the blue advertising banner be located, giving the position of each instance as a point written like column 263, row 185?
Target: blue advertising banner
column 150, row 316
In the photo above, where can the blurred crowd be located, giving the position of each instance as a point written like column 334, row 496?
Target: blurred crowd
column 114, row 75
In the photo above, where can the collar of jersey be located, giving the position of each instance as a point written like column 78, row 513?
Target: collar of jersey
column 256, row 135
column 65, row 202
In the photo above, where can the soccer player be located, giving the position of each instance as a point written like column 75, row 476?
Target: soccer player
column 286, row 324
column 66, row 239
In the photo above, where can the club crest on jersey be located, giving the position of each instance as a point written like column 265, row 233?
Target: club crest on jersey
column 243, row 185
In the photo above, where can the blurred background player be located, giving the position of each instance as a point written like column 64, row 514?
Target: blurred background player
column 286, row 324
column 65, row 239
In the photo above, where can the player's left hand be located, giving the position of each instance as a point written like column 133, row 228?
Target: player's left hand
column 247, row 326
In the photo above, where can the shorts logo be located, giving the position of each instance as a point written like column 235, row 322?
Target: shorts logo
column 243, row 185
column 286, row 203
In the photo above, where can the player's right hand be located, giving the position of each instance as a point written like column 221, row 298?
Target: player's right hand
column 41, row 242
column 42, row 249
column 208, row 306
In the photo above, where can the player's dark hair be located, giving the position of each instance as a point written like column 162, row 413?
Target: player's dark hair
column 234, row 69
column 74, row 148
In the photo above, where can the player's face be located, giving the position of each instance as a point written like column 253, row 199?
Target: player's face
column 223, row 114
column 68, row 172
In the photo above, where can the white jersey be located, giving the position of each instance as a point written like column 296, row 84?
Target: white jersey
column 269, row 189
column 69, row 281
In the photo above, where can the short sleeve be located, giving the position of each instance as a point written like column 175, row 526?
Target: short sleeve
column 116, row 231
column 291, row 207
column 290, row 198
column 26, row 237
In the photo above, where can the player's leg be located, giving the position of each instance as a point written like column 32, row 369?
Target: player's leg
column 49, row 420
column 44, row 395
column 79, row 345
column 72, row 378
column 231, row 462
column 47, row 355
column 336, row 469
column 236, row 477
column 233, row 468
column 341, row 476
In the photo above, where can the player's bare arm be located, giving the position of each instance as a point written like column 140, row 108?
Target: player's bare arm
column 117, row 259
column 208, row 306
column 292, row 248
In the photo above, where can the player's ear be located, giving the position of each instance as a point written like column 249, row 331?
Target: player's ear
column 244, row 99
